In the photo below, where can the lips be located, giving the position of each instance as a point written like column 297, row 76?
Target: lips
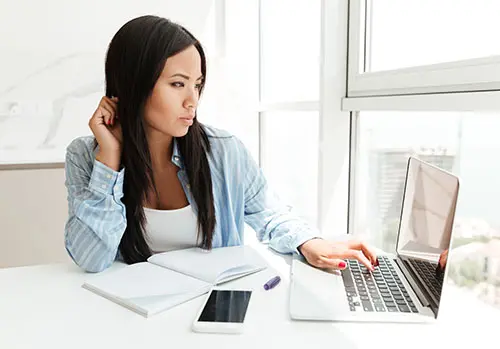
column 187, row 120
column 187, row 117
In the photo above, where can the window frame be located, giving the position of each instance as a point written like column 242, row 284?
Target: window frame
column 479, row 74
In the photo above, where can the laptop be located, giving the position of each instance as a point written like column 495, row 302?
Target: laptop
column 405, row 287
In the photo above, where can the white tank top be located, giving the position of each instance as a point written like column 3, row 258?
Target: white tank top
column 168, row 230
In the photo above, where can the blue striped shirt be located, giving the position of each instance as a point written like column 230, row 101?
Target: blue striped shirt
column 97, row 219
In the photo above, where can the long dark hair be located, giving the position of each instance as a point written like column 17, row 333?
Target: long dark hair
column 135, row 59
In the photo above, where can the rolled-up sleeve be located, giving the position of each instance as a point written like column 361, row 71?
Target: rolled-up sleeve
column 96, row 215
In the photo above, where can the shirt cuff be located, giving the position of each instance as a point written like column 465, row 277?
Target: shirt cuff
column 302, row 240
column 106, row 180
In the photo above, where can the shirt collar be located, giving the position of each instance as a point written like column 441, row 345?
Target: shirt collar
column 176, row 155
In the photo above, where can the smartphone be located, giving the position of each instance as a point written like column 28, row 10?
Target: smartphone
column 223, row 311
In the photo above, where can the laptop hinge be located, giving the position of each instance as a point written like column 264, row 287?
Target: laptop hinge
column 413, row 284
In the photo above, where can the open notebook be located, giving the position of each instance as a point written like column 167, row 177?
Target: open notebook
column 171, row 278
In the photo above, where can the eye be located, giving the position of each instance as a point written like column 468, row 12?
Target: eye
column 199, row 86
column 177, row 84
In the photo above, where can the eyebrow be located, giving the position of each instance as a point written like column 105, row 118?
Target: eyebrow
column 185, row 76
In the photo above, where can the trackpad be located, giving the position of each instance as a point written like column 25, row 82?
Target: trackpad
column 316, row 293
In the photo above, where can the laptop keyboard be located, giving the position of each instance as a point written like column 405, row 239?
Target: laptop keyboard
column 378, row 291
column 427, row 271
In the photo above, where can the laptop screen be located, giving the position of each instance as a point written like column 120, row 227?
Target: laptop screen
column 426, row 223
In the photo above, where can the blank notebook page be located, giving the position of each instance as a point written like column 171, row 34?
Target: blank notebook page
column 209, row 265
column 144, row 280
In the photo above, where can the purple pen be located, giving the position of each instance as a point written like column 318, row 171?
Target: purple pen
column 272, row 283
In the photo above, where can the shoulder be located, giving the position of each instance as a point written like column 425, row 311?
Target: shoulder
column 226, row 148
column 81, row 150
column 224, row 142
column 214, row 133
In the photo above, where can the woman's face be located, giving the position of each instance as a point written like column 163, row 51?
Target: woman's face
column 171, row 107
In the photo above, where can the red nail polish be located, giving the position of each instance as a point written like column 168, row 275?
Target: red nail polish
column 342, row 265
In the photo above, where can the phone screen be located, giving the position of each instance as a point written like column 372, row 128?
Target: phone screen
column 226, row 306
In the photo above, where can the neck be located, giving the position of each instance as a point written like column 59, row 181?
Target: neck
column 161, row 148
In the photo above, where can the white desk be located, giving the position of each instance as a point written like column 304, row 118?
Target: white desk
column 45, row 307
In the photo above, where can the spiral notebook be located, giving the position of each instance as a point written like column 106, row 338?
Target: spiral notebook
column 171, row 278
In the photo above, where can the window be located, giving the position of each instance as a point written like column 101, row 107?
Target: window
column 290, row 161
column 290, row 39
column 289, row 101
column 415, row 33
column 425, row 46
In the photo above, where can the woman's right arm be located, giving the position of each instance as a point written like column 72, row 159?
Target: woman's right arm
column 97, row 218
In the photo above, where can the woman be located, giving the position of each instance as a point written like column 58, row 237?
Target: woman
column 154, row 179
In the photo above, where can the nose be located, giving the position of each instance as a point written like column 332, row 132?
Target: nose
column 191, row 101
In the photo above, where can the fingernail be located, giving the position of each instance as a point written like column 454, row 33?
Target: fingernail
column 342, row 265
column 376, row 263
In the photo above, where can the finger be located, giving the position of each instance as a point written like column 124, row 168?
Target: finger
column 333, row 263
column 112, row 101
column 110, row 105
column 99, row 116
column 368, row 252
column 107, row 114
column 360, row 256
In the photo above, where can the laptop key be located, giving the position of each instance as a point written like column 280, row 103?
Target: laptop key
column 404, row 308
column 367, row 306
column 353, row 308
column 392, row 309
column 414, row 309
column 400, row 302
column 379, row 308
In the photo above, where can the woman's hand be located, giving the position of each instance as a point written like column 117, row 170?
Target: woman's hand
column 443, row 259
column 108, row 132
column 327, row 254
